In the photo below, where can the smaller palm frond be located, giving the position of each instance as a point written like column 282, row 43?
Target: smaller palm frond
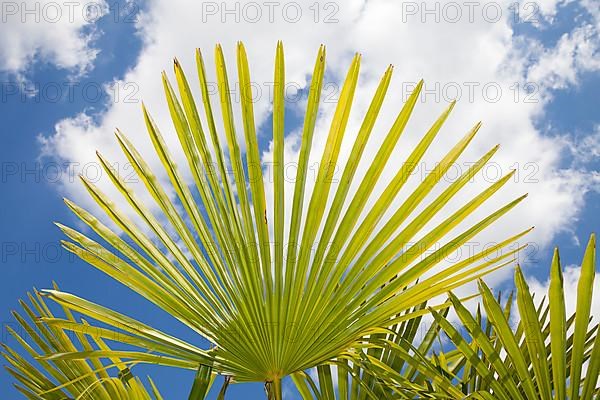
column 37, row 378
column 542, row 358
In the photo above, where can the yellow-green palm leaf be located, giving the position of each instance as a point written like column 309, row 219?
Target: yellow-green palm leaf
column 271, row 305
column 38, row 378
column 543, row 357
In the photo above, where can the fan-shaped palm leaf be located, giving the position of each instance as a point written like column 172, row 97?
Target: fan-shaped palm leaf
column 269, row 303
column 76, row 379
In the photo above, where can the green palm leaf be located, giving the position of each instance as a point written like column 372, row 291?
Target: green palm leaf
column 544, row 355
column 40, row 378
column 223, row 272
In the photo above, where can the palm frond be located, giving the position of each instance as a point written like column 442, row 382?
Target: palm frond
column 543, row 357
column 224, row 275
column 40, row 378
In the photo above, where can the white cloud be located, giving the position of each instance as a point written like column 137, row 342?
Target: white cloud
column 586, row 148
column 575, row 52
column 479, row 61
column 60, row 33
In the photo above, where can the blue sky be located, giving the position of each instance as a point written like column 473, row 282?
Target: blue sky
column 31, row 195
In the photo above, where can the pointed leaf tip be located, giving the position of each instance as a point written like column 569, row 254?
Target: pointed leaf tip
column 59, row 225
column 519, row 273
